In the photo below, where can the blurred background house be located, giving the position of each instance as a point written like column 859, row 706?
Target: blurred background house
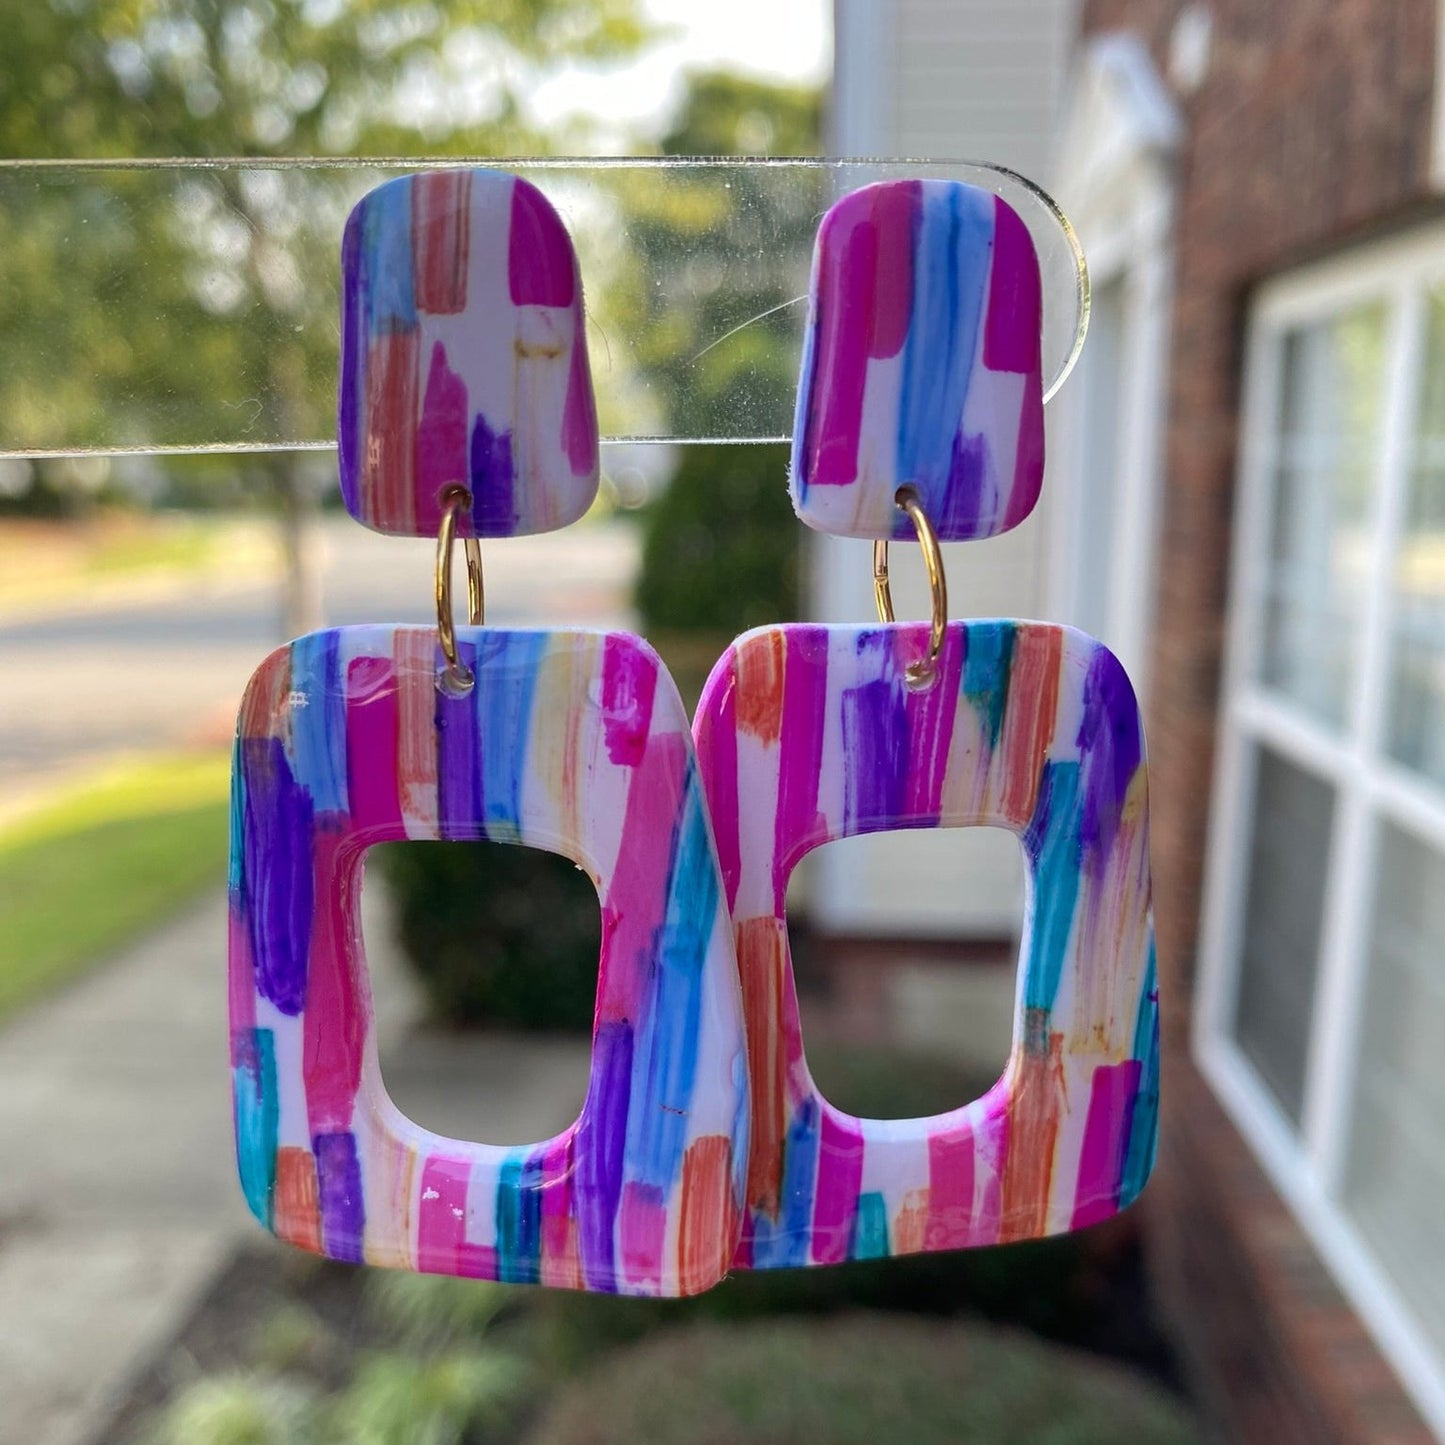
column 1246, row 499
column 1283, row 163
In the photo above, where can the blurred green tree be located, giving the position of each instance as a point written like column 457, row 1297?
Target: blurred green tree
column 120, row 304
column 721, row 544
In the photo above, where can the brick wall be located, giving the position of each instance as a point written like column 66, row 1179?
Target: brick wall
column 1310, row 130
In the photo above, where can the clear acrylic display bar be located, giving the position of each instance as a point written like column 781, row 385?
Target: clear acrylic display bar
column 184, row 306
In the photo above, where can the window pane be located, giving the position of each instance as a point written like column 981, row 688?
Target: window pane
column 1395, row 1177
column 1417, row 666
column 1289, row 853
column 1329, row 429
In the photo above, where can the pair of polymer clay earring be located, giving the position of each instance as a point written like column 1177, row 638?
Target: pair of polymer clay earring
column 703, row 1144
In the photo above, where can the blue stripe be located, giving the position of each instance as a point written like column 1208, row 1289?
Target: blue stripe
column 318, row 720
column 507, row 667
column 785, row 1244
column 950, row 287
column 386, row 259
column 236, row 867
column 665, row 1067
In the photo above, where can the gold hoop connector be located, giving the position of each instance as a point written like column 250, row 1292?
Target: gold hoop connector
column 921, row 673
column 458, row 676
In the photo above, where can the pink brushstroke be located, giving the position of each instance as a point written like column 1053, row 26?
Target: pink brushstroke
column 840, row 1178
column 373, row 727
column 1011, row 337
column 335, row 1021
column 629, row 684
column 629, row 931
column 642, row 1226
column 895, row 210
column 441, row 441
column 541, row 270
column 579, row 412
column 1106, row 1132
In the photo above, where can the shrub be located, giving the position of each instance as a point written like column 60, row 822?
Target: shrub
column 720, row 545
column 498, row 934
column 856, row 1380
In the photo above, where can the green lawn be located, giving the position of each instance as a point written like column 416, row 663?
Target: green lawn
column 103, row 863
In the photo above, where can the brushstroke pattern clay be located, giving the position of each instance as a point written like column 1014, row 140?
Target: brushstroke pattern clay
column 463, row 359
column 574, row 742
column 921, row 365
column 807, row 734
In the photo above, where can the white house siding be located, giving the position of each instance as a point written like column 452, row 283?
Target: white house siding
column 941, row 80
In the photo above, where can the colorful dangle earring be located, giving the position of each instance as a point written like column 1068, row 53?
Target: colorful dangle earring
column 466, row 409
column 920, row 414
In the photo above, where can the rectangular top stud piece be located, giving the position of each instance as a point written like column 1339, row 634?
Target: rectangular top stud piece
column 921, row 365
column 463, row 359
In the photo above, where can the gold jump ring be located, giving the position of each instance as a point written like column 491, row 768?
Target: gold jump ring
column 458, row 676
column 922, row 672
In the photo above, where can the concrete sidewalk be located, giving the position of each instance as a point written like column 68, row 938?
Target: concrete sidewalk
column 118, row 1202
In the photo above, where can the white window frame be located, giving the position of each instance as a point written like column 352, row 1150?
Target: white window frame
column 1307, row 1164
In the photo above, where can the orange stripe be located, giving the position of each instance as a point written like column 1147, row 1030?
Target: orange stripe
column 759, row 668
column 707, row 1223
column 386, row 471
column 762, row 946
column 416, row 744
column 440, row 229
column 1036, row 1104
column 909, row 1234
column 1029, row 718
column 263, row 708
column 298, row 1214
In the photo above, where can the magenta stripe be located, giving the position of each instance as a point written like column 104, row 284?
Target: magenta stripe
column 372, row 728
column 930, row 713
column 840, row 1177
column 844, row 291
column 716, row 729
column 950, row 1189
column 1011, row 330
column 334, row 1024
column 1101, row 1162
column 799, row 825
column 629, row 685
column 441, row 441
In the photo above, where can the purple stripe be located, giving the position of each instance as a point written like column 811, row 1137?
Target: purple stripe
column 1110, row 749
column 459, row 763
column 338, row 1186
column 931, row 711
column 601, row 1152
column 278, row 894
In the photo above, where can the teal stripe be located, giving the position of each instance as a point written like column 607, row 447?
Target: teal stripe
column 1144, row 1128
column 1053, row 843
column 257, row 1110
column 986, row 673
column 870, row 1237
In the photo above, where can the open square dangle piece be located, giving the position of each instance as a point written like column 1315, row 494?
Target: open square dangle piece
column 466, row 408
column 920, row 413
